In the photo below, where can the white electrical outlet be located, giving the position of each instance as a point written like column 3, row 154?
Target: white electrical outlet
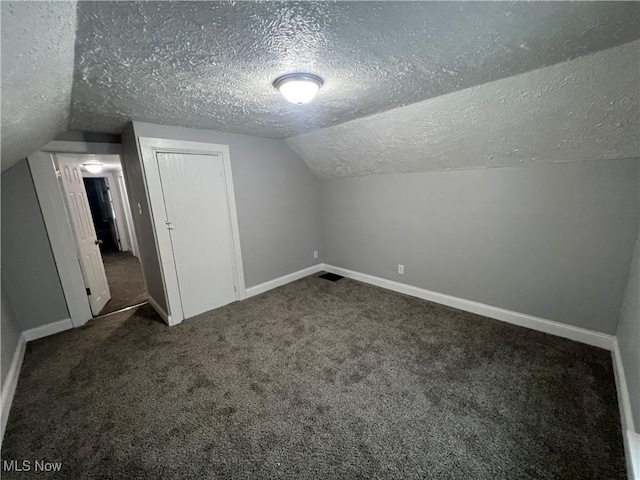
column 315, row 254
column 401, row 269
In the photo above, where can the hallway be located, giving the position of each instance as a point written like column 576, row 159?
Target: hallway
column 126, row 283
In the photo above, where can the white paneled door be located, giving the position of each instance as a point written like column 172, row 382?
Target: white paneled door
column 198, row 219
column 85, row 233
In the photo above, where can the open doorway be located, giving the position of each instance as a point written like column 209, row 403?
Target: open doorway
column 103, row 214
column 98, row 207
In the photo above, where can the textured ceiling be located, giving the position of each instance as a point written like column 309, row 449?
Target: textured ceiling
column 583, row 109
column 211, row 64
column 37, row 72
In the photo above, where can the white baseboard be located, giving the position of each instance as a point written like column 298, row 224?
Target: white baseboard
column 632, row 445
column 278, row 282
column 631, row 438
column 623, row 392
column 589, row 337
column 10, row 384
column 578, row 334
column 48, row 329
column 161, row 311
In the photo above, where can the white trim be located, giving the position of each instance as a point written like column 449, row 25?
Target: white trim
column 111, row 178
column 57, row 223
column 632, row 444
column 161, row 311
column 578, row 334
column 148, row 147
column 278, row 282
column 126, row 210
column 10, row 384
column 631, row 438
column 98, row 148
column 623, row 392
column 48, row 329
column 58, row 226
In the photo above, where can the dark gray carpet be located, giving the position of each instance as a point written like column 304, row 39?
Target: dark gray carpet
column 316, row 380
column 126, row 282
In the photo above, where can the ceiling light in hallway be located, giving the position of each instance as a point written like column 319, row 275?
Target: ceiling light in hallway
column 92, row 167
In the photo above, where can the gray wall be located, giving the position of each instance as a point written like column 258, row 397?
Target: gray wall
column 628, row 334
column 9, row 336
column 136, row 190
column 551, row 241
column 277, row 199
column 29, row 273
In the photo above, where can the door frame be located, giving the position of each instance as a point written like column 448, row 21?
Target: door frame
column 69, row 163
column 120, row 222
column 126, row 211
column 149, row 147
column 124, row 220
column 58, row 224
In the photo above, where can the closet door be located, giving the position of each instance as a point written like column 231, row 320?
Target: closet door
column 199, row 226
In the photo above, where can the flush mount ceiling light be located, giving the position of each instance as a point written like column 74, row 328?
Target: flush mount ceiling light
column 298, row 88
column 92, row 167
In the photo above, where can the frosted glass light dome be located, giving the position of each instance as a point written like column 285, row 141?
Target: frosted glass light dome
column 92, row 167
column 298, row 88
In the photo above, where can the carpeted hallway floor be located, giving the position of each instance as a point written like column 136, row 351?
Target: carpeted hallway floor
column 316, row 380
column 126, row 283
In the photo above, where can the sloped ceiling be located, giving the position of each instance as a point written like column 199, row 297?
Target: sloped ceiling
column 211, row 64
column 37, row 72
column 584, row 109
